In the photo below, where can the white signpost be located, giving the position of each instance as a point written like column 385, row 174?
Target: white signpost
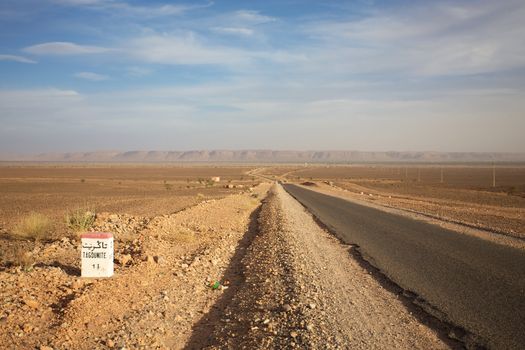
column 97, row 254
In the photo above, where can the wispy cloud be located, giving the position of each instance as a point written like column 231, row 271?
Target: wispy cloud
column 183, row 49
column 252, row 17
column 234, row 30
column 191, row 49
column 64, row 48
column 15, row 58
column 91, row 76
column 125, row 8
column 187, row 48
column 79, row 2
column 135, row 71
column 431, row 39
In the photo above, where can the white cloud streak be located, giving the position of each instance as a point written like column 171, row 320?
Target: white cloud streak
column 182, row 49
column 135, row 71
column 125, row 8
column 16, row 58
column 64, row 48
column 91, row 76
column 190, row 49
column 234, row 31
column 252, row 17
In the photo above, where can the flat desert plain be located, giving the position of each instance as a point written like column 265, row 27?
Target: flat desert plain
column 144, row 190
column 237, row 263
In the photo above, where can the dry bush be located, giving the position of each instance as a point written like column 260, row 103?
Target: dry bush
column 80, row 220
column 23, row 258
column 181, row 235
column 34, row 226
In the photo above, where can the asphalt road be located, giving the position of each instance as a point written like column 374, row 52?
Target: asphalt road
column 478, row 284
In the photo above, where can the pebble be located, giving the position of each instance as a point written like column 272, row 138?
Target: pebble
column 32, row 303
column 124, row 259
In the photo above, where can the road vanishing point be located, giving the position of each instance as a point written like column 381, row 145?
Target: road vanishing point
column 477, row 284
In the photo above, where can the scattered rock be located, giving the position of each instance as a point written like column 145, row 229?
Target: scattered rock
column 125, row 259
column 32, row 303
column 27, row 328
column 160, row 260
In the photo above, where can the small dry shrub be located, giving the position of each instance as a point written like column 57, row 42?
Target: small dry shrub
column 34, row 226
column 23, row 258
column 180, row 235
column 80, row 220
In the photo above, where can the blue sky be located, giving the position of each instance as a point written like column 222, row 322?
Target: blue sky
column 80, row 75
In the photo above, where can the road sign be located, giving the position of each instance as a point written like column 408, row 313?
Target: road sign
column 97, row 254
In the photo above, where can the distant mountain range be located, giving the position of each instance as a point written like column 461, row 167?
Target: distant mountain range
column 265, row 156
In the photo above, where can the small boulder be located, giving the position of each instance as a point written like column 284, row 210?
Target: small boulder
column 32, row 303
column 125, row 259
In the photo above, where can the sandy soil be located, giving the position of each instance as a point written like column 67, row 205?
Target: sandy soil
column 142, row 190
column 162, row 286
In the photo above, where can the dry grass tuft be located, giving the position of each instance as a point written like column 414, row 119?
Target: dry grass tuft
column 34, row 226
column 80, row 220
column 180, row 235
column 23, row 258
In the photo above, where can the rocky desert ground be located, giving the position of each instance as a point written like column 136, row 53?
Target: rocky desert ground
column 236, row 264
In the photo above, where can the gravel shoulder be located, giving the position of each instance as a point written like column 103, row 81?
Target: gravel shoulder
column 303, row 289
